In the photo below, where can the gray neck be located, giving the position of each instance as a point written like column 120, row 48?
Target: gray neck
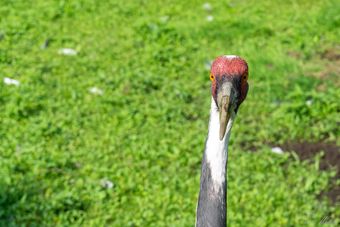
column 211, row 208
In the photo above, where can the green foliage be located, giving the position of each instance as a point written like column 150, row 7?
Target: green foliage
column 146, row 132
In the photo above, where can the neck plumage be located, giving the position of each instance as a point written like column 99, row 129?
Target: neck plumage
column 211, row 208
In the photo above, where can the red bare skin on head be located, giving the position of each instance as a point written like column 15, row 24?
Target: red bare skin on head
column 234, row 66
column 224, row 66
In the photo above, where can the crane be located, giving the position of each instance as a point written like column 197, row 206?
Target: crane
column 229, row 88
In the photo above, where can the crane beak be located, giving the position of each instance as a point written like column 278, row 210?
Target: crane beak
column 223, row 100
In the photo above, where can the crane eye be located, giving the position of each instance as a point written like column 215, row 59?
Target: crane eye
column 211, row 77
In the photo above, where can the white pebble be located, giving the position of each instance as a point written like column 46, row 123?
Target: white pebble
column 207, row 64
column 277, row 150
column 106, row 183
column 309, row 102
column 207, row 6
column 96, row 91
column 67, row 51
column 210, row 18
column 10, row 81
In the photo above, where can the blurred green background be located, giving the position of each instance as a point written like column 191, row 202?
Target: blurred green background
column 104, row 109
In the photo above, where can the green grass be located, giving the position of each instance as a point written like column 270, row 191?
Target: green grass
column 146, row 133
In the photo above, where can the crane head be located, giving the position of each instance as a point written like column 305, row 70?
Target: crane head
column 229, row 87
